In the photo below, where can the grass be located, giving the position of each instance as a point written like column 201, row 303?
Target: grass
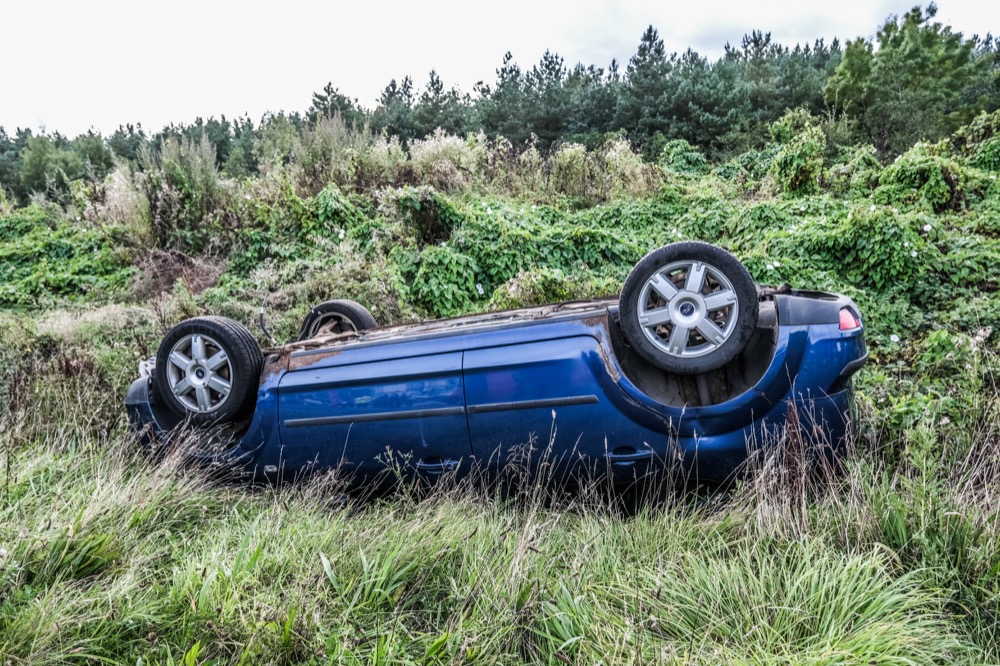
column 107, row 558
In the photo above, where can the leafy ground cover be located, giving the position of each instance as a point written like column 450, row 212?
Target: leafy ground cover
column 106, row 557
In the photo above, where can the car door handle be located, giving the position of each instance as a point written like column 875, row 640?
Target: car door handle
column 437, row 466
column 623, row 459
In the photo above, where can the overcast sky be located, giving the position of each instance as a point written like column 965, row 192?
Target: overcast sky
column 74, row 65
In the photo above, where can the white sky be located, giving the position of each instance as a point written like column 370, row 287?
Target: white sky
column 74, row 65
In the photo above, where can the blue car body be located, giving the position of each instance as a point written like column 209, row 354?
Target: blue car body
column 555, row 386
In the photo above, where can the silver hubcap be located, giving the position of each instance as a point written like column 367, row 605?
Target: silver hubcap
column 199, row 373
column 688, row 309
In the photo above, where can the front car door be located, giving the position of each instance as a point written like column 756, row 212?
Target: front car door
column 376, row 419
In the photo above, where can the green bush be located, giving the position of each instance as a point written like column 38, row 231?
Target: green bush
column 983, row 129
column 791, row 126
column 539, row 285
column 445, row 281
column 427, row 217
column 856, row 172
column 798, row 164
column 43, row 256
column 333, row 212
column 987, row 155
column 680, row 156
column 923, row 175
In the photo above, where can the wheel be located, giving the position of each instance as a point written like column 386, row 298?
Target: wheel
column 208, row 370
column 340, row 316
column 688, row 307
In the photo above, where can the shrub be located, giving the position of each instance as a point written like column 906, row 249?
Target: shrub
column 443, row 161
column 923, row 175
column 380, row 164
column 159, row 270
column 186, row 199
column 791, row 126
column 680, row 156
column 530, row 171
column 756, row 219
column 750, row 167
column 278, row 146
column 571, row 171
column 625, row 172
column 983, row 129
column 327, row 153
column 120, row 202
column 798, row 164
column 987, row 154
column 706, row 219
column 856, row 172
column 445, row 281
column 333, row 213
column 876, row 248
column 427, row 217
column 43, row 256
column 539, row 285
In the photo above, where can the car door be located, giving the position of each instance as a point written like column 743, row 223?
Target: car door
column 550, row 406
column 379, row 418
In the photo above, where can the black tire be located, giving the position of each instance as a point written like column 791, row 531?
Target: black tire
column 345, row 315
column 685, row 328
column 195, row 382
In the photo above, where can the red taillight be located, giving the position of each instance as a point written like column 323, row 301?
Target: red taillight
column 848, row 322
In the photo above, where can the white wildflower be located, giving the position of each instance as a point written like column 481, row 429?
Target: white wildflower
column 913, row 253
column 906, row 243
column 894, row 338
column 927, row 227
column 479, row 288
column 340, row 235
column 872, row 209
column 770, row 267
column 777, row 263
column 945, row 420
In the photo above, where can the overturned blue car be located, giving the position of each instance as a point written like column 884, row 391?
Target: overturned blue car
column 691, row 367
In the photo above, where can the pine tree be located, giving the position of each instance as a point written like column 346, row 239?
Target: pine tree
column 644, row 94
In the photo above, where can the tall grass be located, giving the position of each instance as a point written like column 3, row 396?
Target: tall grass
column 107, row 557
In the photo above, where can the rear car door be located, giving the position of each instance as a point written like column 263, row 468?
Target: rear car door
column 551, row 406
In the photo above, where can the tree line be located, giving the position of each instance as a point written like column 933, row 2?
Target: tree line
column 915, row 80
